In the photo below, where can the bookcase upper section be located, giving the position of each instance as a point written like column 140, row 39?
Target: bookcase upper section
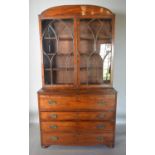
column 77, row 43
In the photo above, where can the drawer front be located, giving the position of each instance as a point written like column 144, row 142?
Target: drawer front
column 77, row 127
column 58, row 139
column 58, row 126
column 95, row 127
column 104, row 115
column 58, row 116
column 94, row 139
column 76, row 139
column 67, row 116
column 82, row 103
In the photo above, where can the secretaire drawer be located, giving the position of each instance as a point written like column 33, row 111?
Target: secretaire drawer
column 67, row 116
column 81, row 126
column 78, row 103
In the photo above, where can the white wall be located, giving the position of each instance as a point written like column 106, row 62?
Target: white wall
column 116, row 6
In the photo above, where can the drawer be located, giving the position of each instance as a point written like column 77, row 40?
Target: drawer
column 95, row 139
column 58, row 126
column 95, row 127
column 67, row 116
column 76, row 103
column 58, row 139
column 76, row 139
column 58, row 116
column 77, row 127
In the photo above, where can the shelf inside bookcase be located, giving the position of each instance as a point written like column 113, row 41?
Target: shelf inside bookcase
column 92, row 39
column 60, row 39
column 60, row 54
column 89, row 68
column 59, row 69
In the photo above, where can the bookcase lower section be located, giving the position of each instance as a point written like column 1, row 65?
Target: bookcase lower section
column 77, row 117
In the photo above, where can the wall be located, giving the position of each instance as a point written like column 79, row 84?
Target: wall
column 116, row 6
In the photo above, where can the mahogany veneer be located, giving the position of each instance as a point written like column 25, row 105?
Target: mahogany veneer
column 77, row 104
column 71, row 116
column 81, row 118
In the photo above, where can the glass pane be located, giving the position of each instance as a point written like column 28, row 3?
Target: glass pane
column 95, row 51
column 58, row 51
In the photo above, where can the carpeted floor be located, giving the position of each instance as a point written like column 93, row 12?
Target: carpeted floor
column 119, row 149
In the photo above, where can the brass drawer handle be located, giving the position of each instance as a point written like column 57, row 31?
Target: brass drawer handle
column 102, row 103
column 52, row 102
column 53, row 126
column 54, row 138
column 53, row 115
column 100, row 126
column 100, row 138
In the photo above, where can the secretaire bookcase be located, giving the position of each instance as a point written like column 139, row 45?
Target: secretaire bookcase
column 77, row 103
